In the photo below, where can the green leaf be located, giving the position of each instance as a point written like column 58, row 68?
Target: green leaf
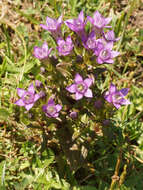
column 84, row 119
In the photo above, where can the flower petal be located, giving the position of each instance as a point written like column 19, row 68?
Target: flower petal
column 78, row 96
column 44, row 26
column 20, row 92
column 108, row 97
column 110, row 35
column 31, row 89
column 108, row 20
column 51, row 101
column 71, row 88
column 70, row 24
column 109, row 45
column 60, row 42
column 55, row 115
column 69, row 40
column 20, row 102
column 58, row 107
column 115, row 53
column 37, row 52
column 29, row 106
column 112, row 88
column 81, row 16
column 78, row 78
column 45, row 47
column 88, row 93
column 51, row 23
column 88, row 81
column 124, row 91
column 126, row 102
column 44, row 107
column 90, row 19
column 37, row 96
column 97, row 15
column 60, row 19
column 117, row 105
column 109, row 61
column 99, row 60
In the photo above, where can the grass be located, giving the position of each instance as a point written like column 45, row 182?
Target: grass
column 31, row 158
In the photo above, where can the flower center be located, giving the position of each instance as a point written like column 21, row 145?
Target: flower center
column 28, row 98
column 117, row 98
column 80, row 87
column 65, row 47
column 44, row 52
column 105, row 54
column 91, row 43
column 52, row 25
column 51, row 109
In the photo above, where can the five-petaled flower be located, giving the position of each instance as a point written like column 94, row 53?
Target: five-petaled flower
column 65, row 47
column 104, row 53
column 50, row 109
column 53, row 26
column 77, row 25
column 27, row 98
column 89, row 41
column 116, row 97
column 81, row 87
column 42, row 52
column 98, row 21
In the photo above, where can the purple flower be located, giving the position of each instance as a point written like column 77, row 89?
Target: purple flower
column 50, row 109
column 54, row 26
column 110, row 36
column 90, row 41
column 77, row 25
column 28, row 98
column 73, row 114
column 81, row 87
column 65, row 47
column 105, row 53
column 98, row 21
column 42, row 52
column 117, row 97
column 38, row 84
column 42, row 94
column 42, row 69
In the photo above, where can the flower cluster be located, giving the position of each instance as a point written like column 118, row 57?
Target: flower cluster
column 98, row 43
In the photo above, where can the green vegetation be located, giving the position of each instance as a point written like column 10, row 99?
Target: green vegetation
column 88, row 156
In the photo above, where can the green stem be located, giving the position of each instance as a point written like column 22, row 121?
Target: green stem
column 115, row 177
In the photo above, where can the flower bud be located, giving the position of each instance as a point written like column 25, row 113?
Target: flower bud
column 73, row 114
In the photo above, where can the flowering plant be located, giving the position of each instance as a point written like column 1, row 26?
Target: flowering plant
column 81, row 54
